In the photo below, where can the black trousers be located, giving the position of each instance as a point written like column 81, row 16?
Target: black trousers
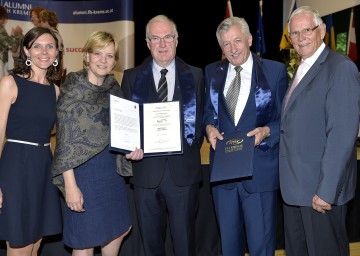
column 310, row 233
column 179, row 204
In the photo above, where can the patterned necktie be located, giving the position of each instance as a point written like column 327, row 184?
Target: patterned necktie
column 162, row 87
column 233, row 93
column 298, row 76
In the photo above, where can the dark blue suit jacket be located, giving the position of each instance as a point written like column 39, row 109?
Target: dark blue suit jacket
column 265, row 163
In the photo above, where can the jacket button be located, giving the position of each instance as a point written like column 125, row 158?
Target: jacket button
column 281, row 131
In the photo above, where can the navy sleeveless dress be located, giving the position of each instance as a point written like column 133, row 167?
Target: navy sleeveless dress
column 31, row 203
column 106, row 204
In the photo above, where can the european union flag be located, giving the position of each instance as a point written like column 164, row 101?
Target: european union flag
column 260, row 39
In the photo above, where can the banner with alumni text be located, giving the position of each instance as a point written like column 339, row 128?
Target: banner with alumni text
column 77, row 20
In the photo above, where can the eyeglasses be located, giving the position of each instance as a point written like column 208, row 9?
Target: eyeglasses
column 157, row 39
column 304, row 32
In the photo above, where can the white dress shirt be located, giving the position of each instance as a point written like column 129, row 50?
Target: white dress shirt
column 170, row 77
column 246, row 75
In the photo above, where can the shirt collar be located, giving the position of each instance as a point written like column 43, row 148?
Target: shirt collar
column 311, row 60
column 157, row 68
column 247, row 66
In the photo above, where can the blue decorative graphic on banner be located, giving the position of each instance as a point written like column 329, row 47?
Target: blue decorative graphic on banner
column 94, row 11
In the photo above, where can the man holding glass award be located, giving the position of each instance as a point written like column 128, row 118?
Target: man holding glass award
column 169, row 94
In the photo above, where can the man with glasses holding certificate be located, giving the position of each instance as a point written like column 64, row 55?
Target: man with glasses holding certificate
column 168, row 184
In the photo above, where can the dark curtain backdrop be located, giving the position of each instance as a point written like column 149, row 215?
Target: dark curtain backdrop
column 197, row 23
column 197, row 26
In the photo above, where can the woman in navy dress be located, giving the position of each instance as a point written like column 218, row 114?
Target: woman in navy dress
column 30, row 203
column 84, row 169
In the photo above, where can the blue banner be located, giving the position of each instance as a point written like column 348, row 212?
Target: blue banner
column 77, row 20
column 74, row 11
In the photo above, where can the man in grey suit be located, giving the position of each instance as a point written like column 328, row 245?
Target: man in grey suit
column 319, row 126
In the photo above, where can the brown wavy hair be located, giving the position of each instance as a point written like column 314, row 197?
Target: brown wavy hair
column 3, row 13
column 53, row 73
column 50, row 17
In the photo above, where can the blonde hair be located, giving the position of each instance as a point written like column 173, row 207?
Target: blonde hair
column 99, row 39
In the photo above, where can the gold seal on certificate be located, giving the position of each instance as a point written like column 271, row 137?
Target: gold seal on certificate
column 154, row 127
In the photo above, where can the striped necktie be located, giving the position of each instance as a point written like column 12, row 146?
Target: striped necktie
column 233, row 93
column 162, row 87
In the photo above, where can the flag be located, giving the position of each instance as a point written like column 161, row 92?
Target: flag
column 351, row 45
column 228, row 12
column 330, row 33
column 285, row 39
column 260, row 39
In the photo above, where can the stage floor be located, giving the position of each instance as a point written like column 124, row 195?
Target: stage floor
column 354, row 250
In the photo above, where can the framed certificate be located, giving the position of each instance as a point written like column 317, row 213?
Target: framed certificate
column 154, row 127
column 233, row 157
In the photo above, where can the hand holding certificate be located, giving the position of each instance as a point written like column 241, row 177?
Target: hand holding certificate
column 233, row 157
column 124, row 124
column 154, row 127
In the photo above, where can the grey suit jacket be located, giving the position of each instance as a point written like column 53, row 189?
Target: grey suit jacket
column 318, row 133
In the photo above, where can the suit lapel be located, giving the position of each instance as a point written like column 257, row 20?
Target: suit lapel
column 306, row 80
column 145, row 79
column 217, row 84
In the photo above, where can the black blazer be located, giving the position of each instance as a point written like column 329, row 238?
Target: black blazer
column 185, row 168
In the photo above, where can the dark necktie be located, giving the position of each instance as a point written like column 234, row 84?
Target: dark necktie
column 162, row 87
column 233, row 93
